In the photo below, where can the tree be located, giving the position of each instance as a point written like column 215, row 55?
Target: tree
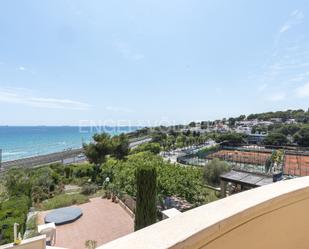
column 259, row 129
column 158, row 137
column 302, row 137
column 43, row 181
column 173, row 180
column 180, row 141
column 192, row 124
column 154, row 148
column 241, row 118
column 120, row 146
column 232, row 122
column 17, row 182
column 213, row 170
column 204, row 125
column 146, row 196
column 276, row 139
column 97, row 151
column 289, row 129
column 231, row 138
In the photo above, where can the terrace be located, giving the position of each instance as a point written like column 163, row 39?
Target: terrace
column 102, row 221
column 258, row 218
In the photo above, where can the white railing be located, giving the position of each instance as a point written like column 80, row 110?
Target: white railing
column 32, row 243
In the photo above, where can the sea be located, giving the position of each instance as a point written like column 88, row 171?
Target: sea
column 17, row 142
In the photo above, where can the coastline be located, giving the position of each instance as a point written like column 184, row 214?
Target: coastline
column 69, row 155
column 19, row 142
column 65, row 157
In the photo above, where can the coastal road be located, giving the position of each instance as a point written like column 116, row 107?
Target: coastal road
column 65, row 157
column 134, row 144
column 44, row 159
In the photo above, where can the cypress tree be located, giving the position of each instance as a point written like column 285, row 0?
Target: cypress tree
column 146, row 183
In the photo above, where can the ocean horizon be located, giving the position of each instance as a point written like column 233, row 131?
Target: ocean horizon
column 17, row 142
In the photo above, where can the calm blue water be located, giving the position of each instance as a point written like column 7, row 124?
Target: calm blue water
column 22, row 142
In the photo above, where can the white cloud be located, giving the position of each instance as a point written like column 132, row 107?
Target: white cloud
column 285, row 28
column 21, row 68
column 22, row 97
column 287, row 65
column 60, row 103
column 296, row 17
column 302, row 91
column 278, row 96
column 299, row 15
column 295, row 12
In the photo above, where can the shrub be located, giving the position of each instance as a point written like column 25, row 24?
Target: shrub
column 91, row 244
column 17, row 182
column 58, row 168
column 83, row 170
column 68, row 171
column 89, row 189
column 154, row 148
column 213, row 170
column 64, row 200
column 11, row 211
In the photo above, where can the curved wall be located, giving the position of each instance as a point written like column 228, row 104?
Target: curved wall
column 273, row 216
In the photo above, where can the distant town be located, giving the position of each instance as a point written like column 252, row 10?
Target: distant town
column 279, row 128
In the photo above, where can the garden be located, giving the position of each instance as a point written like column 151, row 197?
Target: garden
column 44, row 188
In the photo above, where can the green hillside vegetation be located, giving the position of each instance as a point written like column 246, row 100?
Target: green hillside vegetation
column 44, row 187
column 288, row 134
column 299, row 115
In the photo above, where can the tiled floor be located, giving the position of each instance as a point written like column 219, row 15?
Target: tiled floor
column 102, row 221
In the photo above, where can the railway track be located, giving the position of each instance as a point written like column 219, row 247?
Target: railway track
column 41, row 160
column 62, row 157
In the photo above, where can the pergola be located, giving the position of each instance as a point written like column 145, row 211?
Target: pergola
column 245, row 180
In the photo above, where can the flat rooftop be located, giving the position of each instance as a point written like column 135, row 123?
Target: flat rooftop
column 246, row 178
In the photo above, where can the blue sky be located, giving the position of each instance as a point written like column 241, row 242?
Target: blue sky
column 70, row 62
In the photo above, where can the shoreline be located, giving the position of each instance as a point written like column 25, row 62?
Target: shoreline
column 42, row 159
column 65, row 157
column 20, row 142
